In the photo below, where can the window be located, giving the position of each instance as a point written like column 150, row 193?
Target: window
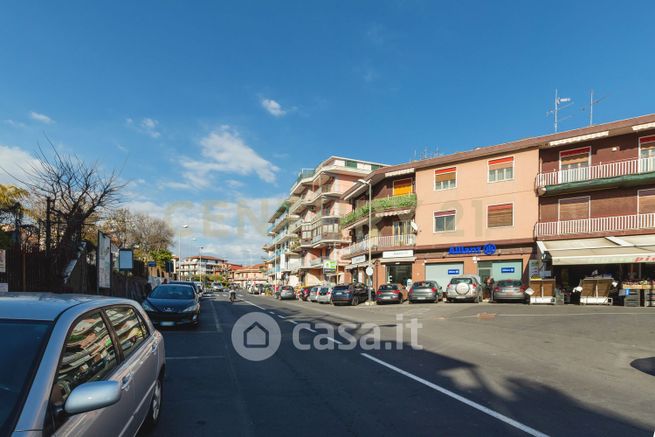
column 500, row 215
column 444, row 221
column 647, row 154
column 574, row 164
column 128, row 327
column 445, row 178
column 501, row 169
column 402, row 227
column 89, row 355
column 574, row 208
column 402, row 187
column 646, row 201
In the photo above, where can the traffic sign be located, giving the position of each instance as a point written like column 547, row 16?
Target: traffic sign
column 369, row 271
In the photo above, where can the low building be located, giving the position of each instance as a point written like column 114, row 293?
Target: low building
column 250, row 275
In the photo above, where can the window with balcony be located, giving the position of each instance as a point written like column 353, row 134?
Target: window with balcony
column 445, row 178
column 444, row 221
column 574, row 208
column 647, row 154
column 402, row 187
column 646, row 199
column 500, row 215
column 501, row 169
column 574, row 164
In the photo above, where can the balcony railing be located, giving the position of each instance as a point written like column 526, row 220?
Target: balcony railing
column 380, row 205
column 381, row 243
column 326, row 236
column 600, row 171
column 316, row 262
column 596, row 225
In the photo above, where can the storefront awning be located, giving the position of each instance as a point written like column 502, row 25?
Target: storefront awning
column 407, row 259
column 356, row 266
column 607, row 250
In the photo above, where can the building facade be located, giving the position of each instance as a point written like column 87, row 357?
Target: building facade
column 250, row 275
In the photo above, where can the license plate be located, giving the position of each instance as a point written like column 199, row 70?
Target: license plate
column 167, row 323
column 422, row 298
column 386, row 297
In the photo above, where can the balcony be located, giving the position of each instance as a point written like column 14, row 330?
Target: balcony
column 628, row 172
column 621, row 223
column 316, row 262
column 378, row 243
column 327, row 236
column 404, row 202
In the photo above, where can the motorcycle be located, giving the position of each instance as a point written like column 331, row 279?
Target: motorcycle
column 233, row 296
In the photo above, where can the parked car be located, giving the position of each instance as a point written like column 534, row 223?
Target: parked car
column 192, row 284
column 173, row 305
column 78, row 364
column 351, row 294
column 388, row 293
column 425, row 291
column 286, row 292
column 200, row 286
column 509, row 289
column 324, row 294
column 464, row 287
column 313, row 294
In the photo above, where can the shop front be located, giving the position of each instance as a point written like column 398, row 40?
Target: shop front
column 396, row 266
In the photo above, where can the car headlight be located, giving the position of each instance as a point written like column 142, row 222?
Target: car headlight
column 190, row 308
column 146, row 306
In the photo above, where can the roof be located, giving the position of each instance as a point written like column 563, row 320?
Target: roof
column 41, row 306
column 619, row 127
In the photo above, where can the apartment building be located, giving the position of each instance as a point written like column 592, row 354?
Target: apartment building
column 203, row 265
column 250, row 275
column 596, row 189
column 307, row 241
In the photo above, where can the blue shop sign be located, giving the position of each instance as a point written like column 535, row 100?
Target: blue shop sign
column 453, row 271
column 507, row 270
column 487, row 249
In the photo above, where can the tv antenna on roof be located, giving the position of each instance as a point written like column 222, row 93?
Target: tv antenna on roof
column 592, row 103
column 566, row 101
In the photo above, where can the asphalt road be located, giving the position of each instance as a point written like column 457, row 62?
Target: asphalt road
column 483, row 369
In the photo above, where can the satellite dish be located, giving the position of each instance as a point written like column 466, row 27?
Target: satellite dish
column 414, row 225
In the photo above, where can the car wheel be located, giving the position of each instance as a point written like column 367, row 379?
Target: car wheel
column 355, row 301
column 155, row 405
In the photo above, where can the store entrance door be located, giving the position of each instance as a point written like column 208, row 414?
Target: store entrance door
column 399, row 273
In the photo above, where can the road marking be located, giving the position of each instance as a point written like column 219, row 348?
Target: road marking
column 196, row 357
column 334, row 340
column 216, row 322
column 254, row 304
column 292, row 321
column 462, row 399
column 311, row 330
column 282, row 317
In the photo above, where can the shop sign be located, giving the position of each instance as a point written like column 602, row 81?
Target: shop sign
column 453, row 271
column 3, row 261
column 329, row 266
column 487, row 249
column 397, row 253
column 358, row 259
column 507, row 270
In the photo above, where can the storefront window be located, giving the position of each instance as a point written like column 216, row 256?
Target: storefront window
column 399, row 273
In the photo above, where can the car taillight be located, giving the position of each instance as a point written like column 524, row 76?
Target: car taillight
column 396, row 291
column 523, row 288
column 379, row 292
column 434, row 289
column 497, row 289
column 474, row 285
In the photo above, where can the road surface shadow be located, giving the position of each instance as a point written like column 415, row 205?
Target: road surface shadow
column 646, row 365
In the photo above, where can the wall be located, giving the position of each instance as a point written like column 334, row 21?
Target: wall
column 472, row 196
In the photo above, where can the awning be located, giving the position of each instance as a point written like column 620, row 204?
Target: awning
column 356, row 266
column 407, row 259
column 607, row 250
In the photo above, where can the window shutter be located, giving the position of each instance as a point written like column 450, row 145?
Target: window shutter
column 574, row 208
column 500, row 215
column 647, row 201
column 401, row 187
column 497, row 164
column 575, row 157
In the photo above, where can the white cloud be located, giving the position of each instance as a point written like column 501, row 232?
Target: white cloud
column 233, row 183
column 14, row 164
column 14, row 123
column 224, row 151
column 41, row 118
column 273, row 108
column 147, row 126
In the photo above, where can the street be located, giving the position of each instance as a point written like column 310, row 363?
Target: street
column 497, row 369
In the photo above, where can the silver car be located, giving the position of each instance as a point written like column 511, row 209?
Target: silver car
column 77, row 365
column 464, row 287
column 324, row 294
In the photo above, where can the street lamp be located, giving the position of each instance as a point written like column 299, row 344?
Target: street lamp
column 179, row 250
column 370, row 226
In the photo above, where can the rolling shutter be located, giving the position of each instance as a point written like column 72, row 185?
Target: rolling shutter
column 647, row 201
column 402, row 186
column 500, row 215
column 574, row 208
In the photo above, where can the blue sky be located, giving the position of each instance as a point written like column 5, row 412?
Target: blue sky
column 225, row 101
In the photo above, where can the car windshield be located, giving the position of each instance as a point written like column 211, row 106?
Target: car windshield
column 190, row 284
column 324, row 290
column 387, row 287
column 509, row 283
column 21, row 343
column 423, row 285
column 340, row 288
column 181, row 292
column 456, row 281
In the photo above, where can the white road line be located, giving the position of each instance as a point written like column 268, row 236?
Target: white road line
column 196, row 357
column 254, row 304
column 271, row 312
column 282, row 317
column 462, row 399
column 216, row 322
column 292, row 321
column 311, row 330
column 334, row 340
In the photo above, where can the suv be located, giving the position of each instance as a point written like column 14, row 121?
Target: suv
column 351, row 294
column 465, row 287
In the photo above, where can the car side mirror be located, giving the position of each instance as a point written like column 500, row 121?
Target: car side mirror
column 92, row 396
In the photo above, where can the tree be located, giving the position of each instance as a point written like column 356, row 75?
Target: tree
column 11, row 211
